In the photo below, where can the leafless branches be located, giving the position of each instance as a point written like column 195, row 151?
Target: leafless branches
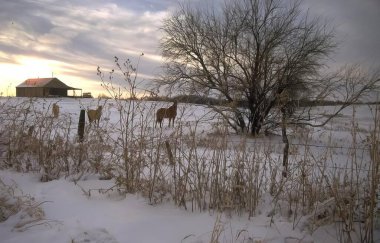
column 250, row 52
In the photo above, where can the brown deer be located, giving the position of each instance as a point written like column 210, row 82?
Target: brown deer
column 170, row 113
column 94, row 115
column 55, row 110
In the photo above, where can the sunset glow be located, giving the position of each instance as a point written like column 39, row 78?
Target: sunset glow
column 70, row 39
column 26, row 67
column 38, row 67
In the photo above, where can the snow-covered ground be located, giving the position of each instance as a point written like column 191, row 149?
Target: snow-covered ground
column 108, row 217
column 72, row 215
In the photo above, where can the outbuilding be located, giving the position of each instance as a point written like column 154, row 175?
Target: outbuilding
column 44, row 87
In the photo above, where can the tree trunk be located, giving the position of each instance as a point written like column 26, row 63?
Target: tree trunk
column 240, row 121
column 255, row 127
column 259, row 116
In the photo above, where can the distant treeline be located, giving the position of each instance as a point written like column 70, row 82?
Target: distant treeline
column 201, row 100
column 193, row 99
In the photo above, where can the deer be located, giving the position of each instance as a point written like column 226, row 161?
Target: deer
column 170, row 113
column 94, row 115
column 55, row 110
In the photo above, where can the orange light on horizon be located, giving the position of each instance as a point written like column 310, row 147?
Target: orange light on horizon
column 12, row 74
column 23, row 68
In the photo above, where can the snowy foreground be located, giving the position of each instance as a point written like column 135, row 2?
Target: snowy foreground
column 63, row 211
column 73, row 217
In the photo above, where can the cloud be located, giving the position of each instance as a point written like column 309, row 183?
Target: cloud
column 81, row 35
column 356, row 24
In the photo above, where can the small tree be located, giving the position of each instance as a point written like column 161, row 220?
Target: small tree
column 248, row 52
column 121, row 84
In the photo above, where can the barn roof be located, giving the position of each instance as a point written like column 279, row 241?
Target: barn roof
column 44, row 82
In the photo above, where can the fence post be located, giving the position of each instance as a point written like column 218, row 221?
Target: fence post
column 170, row 154
column 172, row 163
column 81, row 124
column 286, row 141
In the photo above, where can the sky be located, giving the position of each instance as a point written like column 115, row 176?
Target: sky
column 69, row 39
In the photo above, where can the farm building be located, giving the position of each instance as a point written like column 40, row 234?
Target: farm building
column 43, row 87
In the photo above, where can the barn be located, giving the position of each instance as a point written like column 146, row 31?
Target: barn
column 43, row 87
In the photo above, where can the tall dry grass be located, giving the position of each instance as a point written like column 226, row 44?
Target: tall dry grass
column 202, row 171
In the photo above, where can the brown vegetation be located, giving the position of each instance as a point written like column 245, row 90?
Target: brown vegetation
column 207, row 172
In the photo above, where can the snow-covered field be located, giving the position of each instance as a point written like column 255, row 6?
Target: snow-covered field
column 92, row 210
column 112, row 218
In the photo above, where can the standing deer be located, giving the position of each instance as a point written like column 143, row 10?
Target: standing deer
column 94, row 115
column 55, row 110
column 170, row 113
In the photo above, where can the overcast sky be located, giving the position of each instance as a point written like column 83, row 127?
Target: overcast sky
column 70, row 38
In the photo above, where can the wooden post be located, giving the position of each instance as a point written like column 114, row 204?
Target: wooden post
column 286, row 141
column 81, row 124
column 170, row 154
column 172, row 163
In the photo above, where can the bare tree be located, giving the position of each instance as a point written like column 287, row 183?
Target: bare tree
column 249, row 53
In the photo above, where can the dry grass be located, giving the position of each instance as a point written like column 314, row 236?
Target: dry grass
column 27, row 212
column 199, row 171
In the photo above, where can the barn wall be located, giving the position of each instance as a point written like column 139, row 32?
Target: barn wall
column 29, row 92
column 40, row 92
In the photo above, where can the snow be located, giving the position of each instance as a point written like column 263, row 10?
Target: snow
column 92, row 210
column 112, row 218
